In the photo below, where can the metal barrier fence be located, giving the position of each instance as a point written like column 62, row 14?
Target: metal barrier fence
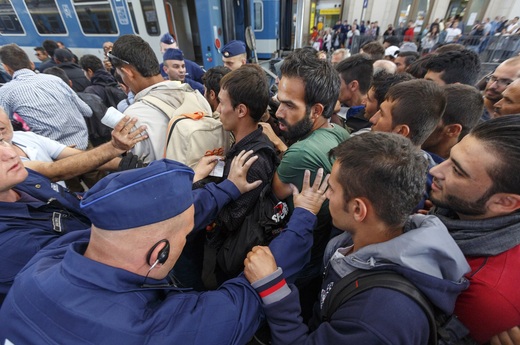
column 491, row 49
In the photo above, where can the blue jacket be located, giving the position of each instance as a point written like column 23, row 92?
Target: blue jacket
column 44, row 213
column 62, row 297
column 425, row 254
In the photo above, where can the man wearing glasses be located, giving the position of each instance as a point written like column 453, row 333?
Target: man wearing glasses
column 41, row 54
column 510, row 102
column 136, row 63
column 504, row 75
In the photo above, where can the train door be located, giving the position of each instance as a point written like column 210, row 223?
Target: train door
column 182, row 24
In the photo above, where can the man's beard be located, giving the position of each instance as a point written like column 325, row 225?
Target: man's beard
column 299, row 129
column 463, row 207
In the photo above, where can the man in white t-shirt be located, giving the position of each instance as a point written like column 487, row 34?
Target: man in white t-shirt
column 453, row 32
column 59, row 162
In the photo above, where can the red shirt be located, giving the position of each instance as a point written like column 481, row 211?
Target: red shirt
column 409, row 34
column 491, row 304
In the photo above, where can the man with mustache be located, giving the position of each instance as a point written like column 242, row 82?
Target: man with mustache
column 504, row 75
column 477, row 196
column 510, row 102
column 308, row 91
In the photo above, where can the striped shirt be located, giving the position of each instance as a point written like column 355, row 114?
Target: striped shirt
column 48, row 105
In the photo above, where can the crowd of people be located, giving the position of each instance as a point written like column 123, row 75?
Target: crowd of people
column 478, row 36
column 393, row 163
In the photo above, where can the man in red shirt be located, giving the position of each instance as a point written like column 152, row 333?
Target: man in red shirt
column 479, row 187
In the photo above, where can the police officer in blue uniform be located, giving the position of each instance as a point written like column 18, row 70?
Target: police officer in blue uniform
column 116, row 288
column 193, row 70
column 34, row 212
column 234, row 54
column 43, row 213
column 175, row 67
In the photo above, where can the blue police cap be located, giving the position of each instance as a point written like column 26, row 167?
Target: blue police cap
column 173, row 54
column 167, row 39
column 138, row 197
column 234, row 48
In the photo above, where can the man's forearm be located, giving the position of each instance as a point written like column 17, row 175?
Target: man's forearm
column 75, row 165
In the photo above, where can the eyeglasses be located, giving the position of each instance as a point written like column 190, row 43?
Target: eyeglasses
column 500, row 82
column 112, row 58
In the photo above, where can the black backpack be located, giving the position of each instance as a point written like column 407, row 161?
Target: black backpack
column 266, row 220
column 98, row 133
column 444, row 329
column 114, row 95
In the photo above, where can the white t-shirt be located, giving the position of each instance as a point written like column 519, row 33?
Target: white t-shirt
column 37, row 147
column 451, row 33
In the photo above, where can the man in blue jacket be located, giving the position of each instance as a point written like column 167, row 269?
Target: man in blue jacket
column 35, row 211
column 371, row 199
column 116, row 287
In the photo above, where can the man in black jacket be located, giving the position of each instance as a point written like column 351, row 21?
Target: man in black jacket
column 102, row 83
column 64, row 60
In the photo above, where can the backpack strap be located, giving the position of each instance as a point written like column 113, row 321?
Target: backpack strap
column 362, row 280
column 174, row 120
column 159, row 104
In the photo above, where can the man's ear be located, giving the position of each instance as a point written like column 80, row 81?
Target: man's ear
column 403, row 130
column 242, row 110
column 452, row 130
column 317, row 110
column 353, row 85
column 128, row 71
column 504, row 203
column 359, row 209
column 212, row 95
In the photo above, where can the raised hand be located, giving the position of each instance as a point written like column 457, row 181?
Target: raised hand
column 238, row 171
column 311, row 198
column 124, row 136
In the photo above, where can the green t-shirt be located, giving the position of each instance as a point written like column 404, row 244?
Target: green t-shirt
column 310, row 154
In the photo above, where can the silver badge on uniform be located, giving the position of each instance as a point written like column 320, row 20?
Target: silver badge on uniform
column 55, row 187
column 56, row 222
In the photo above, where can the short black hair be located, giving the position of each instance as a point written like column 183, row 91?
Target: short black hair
column 50, row 46
column 419, row 104
column 396, row 171
column 461, row 66
column 409, row 57
column 138, row 53
column 58, row 72
column 501, row 136
column 248, row 85
column 392, row 40
column 383, row 81
column 418, row 67
column 63, row 55
column 357, row 67
column 91, row 62
column 464, row 106
column 321, row 81
column 212, row 77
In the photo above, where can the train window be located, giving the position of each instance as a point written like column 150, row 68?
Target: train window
column 96, row 17
column 9, row 22
column 46, row 16
column 259, row 16
column 150, row 17
column 132, row 15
